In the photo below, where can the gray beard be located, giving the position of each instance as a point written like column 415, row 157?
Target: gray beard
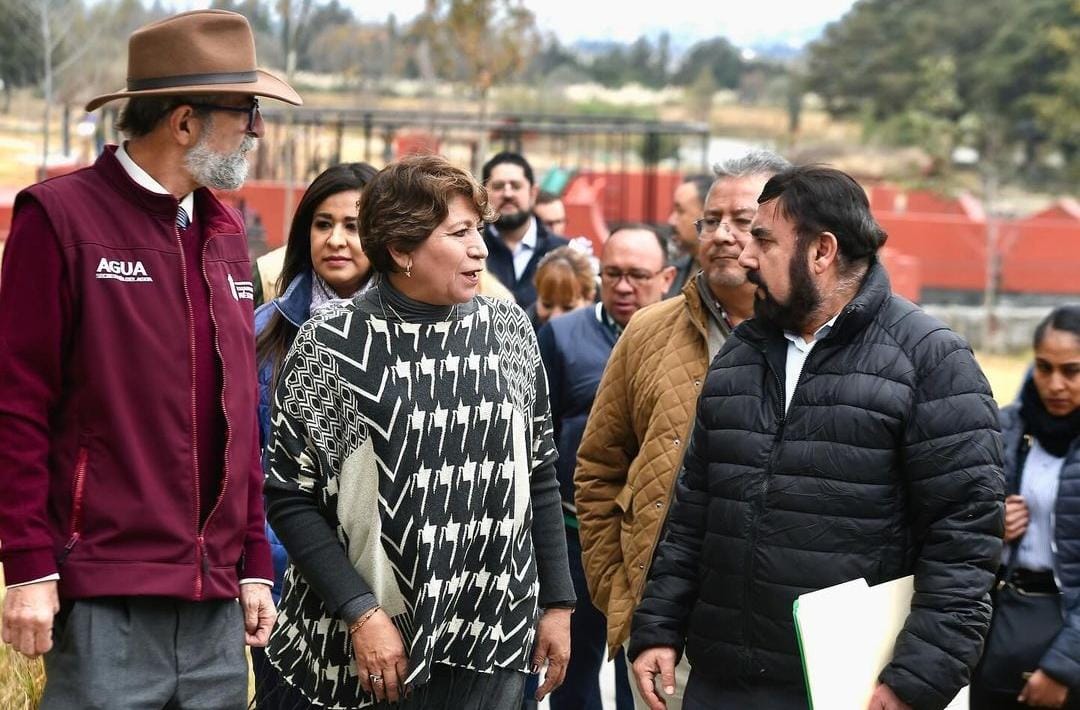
column 221, row 171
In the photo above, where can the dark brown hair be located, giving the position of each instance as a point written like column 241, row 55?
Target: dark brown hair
column 407, row 200
column 274, row 340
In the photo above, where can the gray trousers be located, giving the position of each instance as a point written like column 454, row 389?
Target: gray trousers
column 152, row 653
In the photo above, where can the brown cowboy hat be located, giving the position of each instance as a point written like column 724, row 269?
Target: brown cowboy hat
column 200, row 52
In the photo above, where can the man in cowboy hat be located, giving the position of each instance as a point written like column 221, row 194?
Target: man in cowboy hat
column 132, row 514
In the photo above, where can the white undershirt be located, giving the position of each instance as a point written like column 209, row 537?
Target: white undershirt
column 1039, row 486
column 146, row 180
column 797, row 352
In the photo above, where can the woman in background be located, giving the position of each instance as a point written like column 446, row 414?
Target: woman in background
column 564, row 280
column 1042, row 524
column 323, row 265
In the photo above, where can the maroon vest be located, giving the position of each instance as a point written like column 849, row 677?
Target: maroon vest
column 124, row 505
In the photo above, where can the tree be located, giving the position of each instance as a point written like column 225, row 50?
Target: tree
column 483, row 42
column 550, row 57
column 719, row 55
column 59, row 29
column 1059, row 110
column 20, row 54
column 949, row 64
column 699, row 95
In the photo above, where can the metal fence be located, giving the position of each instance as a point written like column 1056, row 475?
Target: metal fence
column 299, row 143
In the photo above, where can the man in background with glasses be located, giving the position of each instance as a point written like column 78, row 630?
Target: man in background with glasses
column 132, row 516
column 633, row 443
column 634, row 273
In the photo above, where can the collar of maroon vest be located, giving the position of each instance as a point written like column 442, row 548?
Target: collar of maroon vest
column 215, row 217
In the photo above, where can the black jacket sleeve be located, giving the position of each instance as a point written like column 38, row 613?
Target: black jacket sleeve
column 952, row 458
column 672, row 587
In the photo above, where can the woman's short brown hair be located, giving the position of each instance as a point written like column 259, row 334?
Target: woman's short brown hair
column 407, row 200
column 564, row 273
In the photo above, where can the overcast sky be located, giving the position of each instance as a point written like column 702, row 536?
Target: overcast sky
column 744, row 22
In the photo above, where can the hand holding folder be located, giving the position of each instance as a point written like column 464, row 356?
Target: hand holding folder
column 846, row 635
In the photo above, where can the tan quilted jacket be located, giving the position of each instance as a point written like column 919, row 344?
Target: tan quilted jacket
column 632, row 446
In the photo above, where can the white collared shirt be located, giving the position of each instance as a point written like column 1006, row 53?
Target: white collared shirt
column 145, row 180
column 1039, row 486
column 797, row 352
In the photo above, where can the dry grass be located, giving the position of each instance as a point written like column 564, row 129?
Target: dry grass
column 21, row 680
column 1006, row 374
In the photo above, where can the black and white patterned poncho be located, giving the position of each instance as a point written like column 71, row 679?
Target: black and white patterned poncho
column 419, row 443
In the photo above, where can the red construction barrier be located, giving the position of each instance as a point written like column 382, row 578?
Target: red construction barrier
column 415, row 142
column 626, row 195
column 885, row 198
column 904, row 273
column 951, row 248
column 583, row 214
column 263, row 203
column 1065, row 208
column 7, row 203
column 1040, row 256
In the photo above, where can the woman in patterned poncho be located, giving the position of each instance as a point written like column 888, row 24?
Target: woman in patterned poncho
column 411, row 474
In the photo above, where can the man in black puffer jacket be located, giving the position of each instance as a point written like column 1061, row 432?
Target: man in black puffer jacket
column 841, row 433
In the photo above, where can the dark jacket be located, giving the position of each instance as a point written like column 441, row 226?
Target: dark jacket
column 107, row 490
column 686, row 268
column 500, row 262
column 294, row 305
column 887, row 463
column 575, row 348
column 1062, row 660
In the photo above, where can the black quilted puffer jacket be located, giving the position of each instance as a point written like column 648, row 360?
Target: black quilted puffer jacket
column 887, row 463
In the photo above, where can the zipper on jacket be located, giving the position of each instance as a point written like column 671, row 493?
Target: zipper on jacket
column 201, row 565
column 224, row 385
column 758, row 510
column 77, row 487
column 194, row 422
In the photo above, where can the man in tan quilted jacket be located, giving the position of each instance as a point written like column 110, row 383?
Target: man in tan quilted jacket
column 634, row 438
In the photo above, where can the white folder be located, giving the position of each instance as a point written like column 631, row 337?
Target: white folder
column 846, row 634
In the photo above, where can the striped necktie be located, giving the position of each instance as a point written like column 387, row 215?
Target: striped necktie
column 182, row 220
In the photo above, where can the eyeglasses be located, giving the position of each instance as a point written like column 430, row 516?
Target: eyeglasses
column 252, row 111
column 500, row 185
column 705, row 227
column 635, row 277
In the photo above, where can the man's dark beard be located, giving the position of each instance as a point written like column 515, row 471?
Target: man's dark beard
column 508, row 222
column 801, row 304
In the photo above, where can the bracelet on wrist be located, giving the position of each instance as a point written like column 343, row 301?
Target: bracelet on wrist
column 355, row 626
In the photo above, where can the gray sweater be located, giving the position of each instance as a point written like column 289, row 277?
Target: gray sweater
column 412, row 464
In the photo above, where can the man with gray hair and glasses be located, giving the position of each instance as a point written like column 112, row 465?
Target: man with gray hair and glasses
column 634, row 439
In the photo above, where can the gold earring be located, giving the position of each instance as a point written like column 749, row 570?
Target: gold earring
column 408, row 268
